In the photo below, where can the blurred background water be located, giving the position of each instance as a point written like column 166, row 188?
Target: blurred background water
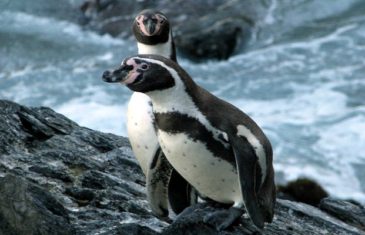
column 302, row 79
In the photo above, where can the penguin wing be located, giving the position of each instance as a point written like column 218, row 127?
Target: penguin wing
column 157, row 179
column 247, row 164
column 181, row 193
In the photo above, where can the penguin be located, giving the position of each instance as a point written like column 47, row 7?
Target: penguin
column 164, row 185
column 153, row 33
column 214, row 145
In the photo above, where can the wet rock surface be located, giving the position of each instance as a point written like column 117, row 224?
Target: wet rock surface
column 203, row 29
column 59, row 178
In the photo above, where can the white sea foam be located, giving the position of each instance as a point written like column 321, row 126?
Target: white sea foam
column 301, row 109
column 101, row 116
column 48, row 28
column 312, row 45
column 344, row 141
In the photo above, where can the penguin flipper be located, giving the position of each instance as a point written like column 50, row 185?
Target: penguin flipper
column 247, row 163
column 157, row 180
column 180, row 193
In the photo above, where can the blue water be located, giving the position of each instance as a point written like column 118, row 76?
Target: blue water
column 302, row 79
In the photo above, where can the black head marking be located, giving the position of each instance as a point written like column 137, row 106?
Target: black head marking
column 143, row 73
column 151, row 76
column 118, row 74
column 137, row 61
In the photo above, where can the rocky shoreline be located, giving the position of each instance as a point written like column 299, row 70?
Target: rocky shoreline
column 59, row 178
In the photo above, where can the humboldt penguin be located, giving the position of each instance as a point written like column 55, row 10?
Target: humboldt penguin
column 215, row 146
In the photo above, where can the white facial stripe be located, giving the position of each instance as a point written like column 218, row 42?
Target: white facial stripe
column 259, row 149
column 157, row 62
column 160, row 17
column 176, row 99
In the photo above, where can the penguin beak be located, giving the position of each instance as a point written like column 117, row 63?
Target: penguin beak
column 118, row 75
column 150, row 26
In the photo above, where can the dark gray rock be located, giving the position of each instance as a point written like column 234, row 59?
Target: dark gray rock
column 26, row 208
column 59, row 178
column 212, row 39
column 203, row 29
column 56, row 172
column 348, row 211
column 132, row 229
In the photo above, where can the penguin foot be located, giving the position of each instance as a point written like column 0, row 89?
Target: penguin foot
column 223, row 219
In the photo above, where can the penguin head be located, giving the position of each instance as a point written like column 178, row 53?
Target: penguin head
column 143, row 73
column 151, row 27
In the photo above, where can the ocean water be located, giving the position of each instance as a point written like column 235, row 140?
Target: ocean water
column 302, row 79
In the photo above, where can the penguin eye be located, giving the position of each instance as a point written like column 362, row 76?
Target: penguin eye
column 145, row 66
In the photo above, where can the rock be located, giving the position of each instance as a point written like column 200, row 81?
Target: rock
column 29, row 209
column 203, row 29
column 290, row 218
column 347, row 211
column 138, row 230
column 212, row 40
column 59, row 178
column 303, row 190
column 53, row 172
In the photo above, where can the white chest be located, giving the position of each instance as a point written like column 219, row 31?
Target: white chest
column 141, row 131
column 163, row 49
column 211, row 176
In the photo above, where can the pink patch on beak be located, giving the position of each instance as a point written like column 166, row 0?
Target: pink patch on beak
column 141, row 26
column 133, row 74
